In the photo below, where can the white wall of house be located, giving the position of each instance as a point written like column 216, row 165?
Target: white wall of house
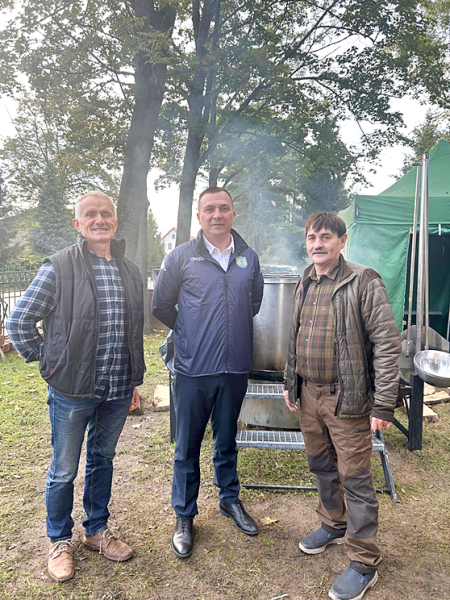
column 169, row 240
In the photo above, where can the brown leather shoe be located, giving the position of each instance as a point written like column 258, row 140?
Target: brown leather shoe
column 60, row 561
column 107, row 544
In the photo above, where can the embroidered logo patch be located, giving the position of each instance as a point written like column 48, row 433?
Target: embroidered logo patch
column 241, row 261
column 196, row 258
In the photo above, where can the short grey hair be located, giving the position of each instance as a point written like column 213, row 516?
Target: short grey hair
column 97, row 193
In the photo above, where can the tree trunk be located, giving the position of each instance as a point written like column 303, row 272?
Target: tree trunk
column 188, row 177
column 149, row 93
column 198, row 119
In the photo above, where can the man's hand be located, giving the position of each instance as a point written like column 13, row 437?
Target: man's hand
column 288, row 404
column 380, row 424
column 135, row 400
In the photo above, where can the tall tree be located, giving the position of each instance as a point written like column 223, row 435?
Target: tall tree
column 155, row 243
column 7, row 229
column 105, row 64
column 435, row 126
column 238, row 60
column 53, row 230
column 45, row 135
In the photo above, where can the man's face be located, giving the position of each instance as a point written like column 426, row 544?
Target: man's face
column 324, row 248
column 216, row 215
column 96, row 221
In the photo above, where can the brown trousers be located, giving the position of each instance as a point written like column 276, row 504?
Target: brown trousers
column 339, row 452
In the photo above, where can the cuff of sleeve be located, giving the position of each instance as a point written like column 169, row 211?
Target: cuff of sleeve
column 36, row 355
column 385, row 414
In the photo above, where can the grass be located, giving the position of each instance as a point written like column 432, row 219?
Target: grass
column 225, row 565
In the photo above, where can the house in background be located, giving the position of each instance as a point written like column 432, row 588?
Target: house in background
column 169, row 240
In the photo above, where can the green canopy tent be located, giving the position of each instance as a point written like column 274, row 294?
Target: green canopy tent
column 380, row 233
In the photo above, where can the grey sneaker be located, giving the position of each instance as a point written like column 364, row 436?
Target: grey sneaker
column 318, row 540
column 352, row 585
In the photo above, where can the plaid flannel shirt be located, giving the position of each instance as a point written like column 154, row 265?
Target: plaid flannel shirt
column 113, row 359
column 316, row 360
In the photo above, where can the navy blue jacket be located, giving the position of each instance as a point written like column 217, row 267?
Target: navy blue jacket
column 213, row 325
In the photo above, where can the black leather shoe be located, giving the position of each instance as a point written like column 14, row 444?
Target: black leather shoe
column 183, row 537
column 240, row 517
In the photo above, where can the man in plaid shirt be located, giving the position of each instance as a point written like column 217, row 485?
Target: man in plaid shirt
column 342, row 368
column 90, row 300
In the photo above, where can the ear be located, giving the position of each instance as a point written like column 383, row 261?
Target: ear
column 343, row 240
column 76, row 224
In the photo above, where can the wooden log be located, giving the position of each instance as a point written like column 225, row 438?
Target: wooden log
column 428, row 415
column 161, row 398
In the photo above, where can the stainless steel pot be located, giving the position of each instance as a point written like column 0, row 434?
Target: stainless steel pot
column 271, row 324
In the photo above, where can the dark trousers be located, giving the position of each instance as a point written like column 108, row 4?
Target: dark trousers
column 196, row 399
column 339, row 451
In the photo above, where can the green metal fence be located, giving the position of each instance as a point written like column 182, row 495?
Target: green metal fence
column 13, row 283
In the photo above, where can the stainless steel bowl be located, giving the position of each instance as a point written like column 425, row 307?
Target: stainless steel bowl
column 433, row 366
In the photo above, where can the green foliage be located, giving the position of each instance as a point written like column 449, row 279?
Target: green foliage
column 155, row 244
column 436, row 126
column 46, row 134
column 280, row 179
column 53, row 230
column 265, row 70
column 7, row 229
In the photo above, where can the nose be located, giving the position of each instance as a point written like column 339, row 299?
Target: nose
column 217, row 215
column 99, row 220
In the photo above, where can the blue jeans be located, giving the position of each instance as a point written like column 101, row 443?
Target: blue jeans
column 69, row 418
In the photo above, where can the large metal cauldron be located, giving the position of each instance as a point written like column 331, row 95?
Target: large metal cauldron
column 271, row 324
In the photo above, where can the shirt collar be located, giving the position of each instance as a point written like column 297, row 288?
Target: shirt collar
column 212, row 249
column 94, row 254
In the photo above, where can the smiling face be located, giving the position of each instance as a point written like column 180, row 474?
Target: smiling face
column 96, row 220
column 216, row 218
column 323, row 248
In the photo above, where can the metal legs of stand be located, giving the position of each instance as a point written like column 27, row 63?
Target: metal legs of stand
column 414, row 409
column 293, row 440
column 415, row 413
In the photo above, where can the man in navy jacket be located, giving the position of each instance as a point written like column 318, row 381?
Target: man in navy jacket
column 208, row 291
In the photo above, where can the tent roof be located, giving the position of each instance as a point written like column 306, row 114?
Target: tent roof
column 438, row 176
column 395, row 205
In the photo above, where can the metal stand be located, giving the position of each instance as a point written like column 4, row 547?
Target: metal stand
column 414, row 410
column 293, row 440
column 289, row 440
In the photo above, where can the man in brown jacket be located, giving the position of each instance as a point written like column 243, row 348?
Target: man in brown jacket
column 343, row 368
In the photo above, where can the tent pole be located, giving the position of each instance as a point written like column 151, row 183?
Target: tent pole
column 426, row 264
column 413, row 259
column 421, row 267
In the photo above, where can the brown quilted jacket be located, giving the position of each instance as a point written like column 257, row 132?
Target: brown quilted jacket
column 367, row 344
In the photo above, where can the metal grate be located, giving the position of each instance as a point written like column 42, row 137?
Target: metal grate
column 265, row 390
column 292, row 440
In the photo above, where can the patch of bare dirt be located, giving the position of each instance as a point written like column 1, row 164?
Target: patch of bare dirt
column 414, row 536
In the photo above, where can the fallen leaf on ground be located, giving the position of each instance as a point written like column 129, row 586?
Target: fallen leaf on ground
column 268, row 521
